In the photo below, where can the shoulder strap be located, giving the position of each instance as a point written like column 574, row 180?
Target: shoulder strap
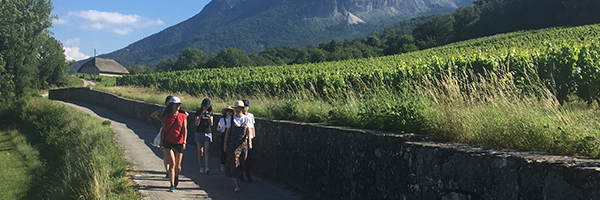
column 176, row 119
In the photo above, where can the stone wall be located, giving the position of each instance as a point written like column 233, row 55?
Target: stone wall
column 341, row 163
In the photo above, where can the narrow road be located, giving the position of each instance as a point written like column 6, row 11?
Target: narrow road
column 136, row 137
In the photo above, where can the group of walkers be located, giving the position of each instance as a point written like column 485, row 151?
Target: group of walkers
column 236, row 132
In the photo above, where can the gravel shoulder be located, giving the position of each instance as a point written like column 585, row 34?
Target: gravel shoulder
column 136, row 137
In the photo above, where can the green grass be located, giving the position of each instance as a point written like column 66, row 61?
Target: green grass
column 101, row 81
column 19, row 165
column 80, row 157
column 492, row 91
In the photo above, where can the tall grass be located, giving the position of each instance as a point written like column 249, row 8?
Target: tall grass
column 81, row 158
column 486, row 109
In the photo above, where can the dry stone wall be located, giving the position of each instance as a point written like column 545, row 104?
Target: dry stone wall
column 328, row 162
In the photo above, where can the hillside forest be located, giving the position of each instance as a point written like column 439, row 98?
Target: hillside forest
column 484, row 18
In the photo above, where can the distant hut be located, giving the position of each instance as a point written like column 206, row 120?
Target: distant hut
column 103, row 67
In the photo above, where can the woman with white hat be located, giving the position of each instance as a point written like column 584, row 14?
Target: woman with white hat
column 173, row 139
column 236, row 146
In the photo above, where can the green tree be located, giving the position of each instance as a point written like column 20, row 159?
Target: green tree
column 23, row 29
column 53, row 67
column 165, row 65
column 190, row 58
column 230, row 57
column 139, row 69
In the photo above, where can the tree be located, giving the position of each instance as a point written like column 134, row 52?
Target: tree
column 230, row 57
column 165, row 65
column 396, row 44
column 23, row 29
column 190, row 58
column 139, row 69
column 53, row 67
column 439, row 29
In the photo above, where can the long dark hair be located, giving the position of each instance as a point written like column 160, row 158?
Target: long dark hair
column 170, row 109
column 168, row 99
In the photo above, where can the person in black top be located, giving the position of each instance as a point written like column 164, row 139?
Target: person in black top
column 203, row 136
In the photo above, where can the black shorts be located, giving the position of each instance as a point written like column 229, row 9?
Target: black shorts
column 175, row 147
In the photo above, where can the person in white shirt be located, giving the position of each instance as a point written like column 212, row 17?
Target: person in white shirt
column 236, row 146
column 226, row 113
column 251, row 135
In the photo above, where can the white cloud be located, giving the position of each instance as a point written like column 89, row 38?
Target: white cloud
column 72, row 53
column 123, row 31
column 58, row 21
column 113, row 21
column 72, row 42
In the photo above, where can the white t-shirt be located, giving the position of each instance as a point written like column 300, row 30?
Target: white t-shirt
column 243, row 121
column 251, row 122
column 222, row 124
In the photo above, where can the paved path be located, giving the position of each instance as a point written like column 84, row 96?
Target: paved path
column 136, row 136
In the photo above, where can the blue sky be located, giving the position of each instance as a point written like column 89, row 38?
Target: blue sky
column 109, row 25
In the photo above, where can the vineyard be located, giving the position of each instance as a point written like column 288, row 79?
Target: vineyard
column 517, row 90
column 566, row 57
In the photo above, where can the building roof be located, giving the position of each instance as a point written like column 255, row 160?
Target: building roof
column 105, row 66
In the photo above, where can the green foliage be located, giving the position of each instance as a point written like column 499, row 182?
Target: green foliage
column 556, row 66
column 82, row 160
column 106, row 122
column 30, row 58
column 456, row 92
column 139, row 69
column 102, row 81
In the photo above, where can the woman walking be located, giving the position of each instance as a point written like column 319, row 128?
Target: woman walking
column 173, row 139
column 237, row 144
column 158, row 116
column 251, row 134
column 203, row 137
column 226, row 113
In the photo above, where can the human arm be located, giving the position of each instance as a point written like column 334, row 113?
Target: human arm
column 154, row 115
column 162, row 134
column 185, row 132
column 226, row 138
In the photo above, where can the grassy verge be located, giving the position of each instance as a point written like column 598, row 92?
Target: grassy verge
column 487, row 110
column 19, row 165
column 101, row 81
column 80, row 158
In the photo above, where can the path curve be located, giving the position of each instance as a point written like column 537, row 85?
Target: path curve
column 136, row 136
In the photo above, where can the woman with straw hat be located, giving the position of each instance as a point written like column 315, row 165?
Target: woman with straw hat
column 173, row 139
column 236, row 146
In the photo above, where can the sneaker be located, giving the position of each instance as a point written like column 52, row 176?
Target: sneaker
column 222, row 167
column 202, row 170
column 172, row 189
column 237, row 189
column 206, row 171
column 176, row 181
column 167, row 176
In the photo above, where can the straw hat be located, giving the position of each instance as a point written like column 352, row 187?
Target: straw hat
column 238, row 104
column 225, row 109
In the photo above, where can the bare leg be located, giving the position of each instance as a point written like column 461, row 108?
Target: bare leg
column 170, row 158
column 206, row 153
column 177, row 165
column 200, row 146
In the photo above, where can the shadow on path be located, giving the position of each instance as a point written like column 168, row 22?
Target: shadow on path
column 136, row 138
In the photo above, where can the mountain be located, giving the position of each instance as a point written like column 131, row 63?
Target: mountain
column 253, row 25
